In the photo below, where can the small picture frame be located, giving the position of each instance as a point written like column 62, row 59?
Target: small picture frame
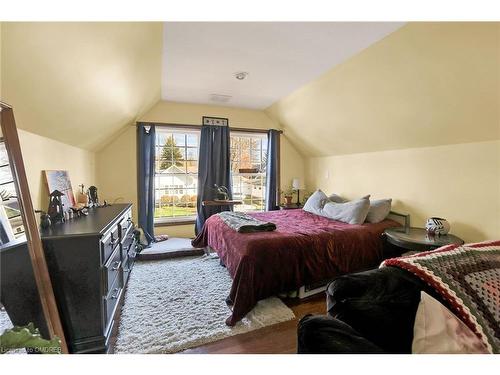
column 217, row 121
column 59, row 180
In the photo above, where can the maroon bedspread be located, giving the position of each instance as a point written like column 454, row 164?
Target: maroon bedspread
column 304, row 249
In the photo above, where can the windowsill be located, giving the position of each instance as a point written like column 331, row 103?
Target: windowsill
column 164, row 222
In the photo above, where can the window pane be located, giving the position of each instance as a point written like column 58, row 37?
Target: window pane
column 161, row 137
column 179, row 139
column 192, row 154
column 176, row 173
column 192, row 140
column 248, row 159
column 192, row 167
column 5, row 174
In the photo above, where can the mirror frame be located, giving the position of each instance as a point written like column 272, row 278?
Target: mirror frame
column 34, row 242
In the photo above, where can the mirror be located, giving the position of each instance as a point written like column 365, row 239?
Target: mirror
column 21, row 248
column 11, row 222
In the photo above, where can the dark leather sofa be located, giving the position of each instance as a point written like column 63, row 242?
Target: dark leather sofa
column 368, row 312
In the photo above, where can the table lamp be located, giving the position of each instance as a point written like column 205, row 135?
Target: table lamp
column 296, row 186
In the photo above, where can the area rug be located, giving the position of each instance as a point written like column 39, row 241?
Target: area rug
column 176, row 304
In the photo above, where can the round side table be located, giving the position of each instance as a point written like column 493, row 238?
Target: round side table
column 417, row 239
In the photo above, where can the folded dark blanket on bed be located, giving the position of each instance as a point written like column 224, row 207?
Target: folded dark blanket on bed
column 244, row 223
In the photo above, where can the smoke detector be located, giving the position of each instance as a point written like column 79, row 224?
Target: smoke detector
column 241, row 75
column 220, row 98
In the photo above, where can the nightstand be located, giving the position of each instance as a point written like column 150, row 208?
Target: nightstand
column 417, row 239
column 292, row 206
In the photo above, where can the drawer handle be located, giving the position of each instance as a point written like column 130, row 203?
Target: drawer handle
column 116, row 263
column 117, row 292
column 112, row 243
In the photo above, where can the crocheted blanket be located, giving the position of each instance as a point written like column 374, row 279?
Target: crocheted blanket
column 468, row 279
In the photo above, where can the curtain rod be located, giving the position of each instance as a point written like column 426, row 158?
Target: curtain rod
column 190, row 126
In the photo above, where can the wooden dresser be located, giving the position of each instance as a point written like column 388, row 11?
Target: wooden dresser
column 89, row 260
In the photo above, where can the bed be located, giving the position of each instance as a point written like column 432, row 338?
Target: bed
column 304, row 249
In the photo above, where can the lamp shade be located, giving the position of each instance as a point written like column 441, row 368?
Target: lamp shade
column 296, row 183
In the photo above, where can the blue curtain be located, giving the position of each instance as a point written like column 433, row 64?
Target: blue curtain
column 145, row 179
column 213, row 168
column 273, row 145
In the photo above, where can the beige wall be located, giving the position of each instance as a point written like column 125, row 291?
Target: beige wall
column 41, row 153
column 116, row 163
column 427, row 84
column 414, row 117
column 458, row 182
column 80, row 82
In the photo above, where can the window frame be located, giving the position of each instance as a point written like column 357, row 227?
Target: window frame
column 176, row 220
column 263, row 136
column 161, row 222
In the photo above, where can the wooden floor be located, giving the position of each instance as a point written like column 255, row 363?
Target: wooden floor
column 279, row 338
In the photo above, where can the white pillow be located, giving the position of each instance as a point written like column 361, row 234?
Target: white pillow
column 352, row 212
column 336, row 198
column 379, row 209
column 438, row 331
column 315, row 202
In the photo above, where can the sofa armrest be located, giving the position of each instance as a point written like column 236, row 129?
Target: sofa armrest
column 322, row 334
column 380, row 304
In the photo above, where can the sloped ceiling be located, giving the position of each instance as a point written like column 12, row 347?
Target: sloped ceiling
column 80, row 83
column 200, row 58
column 427, row 84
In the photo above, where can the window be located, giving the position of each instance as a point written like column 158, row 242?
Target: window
column 176, row 174
column 248, row 170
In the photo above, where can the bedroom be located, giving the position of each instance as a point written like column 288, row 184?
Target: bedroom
column 400, row 118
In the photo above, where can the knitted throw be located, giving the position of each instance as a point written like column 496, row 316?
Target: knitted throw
column 468, row 278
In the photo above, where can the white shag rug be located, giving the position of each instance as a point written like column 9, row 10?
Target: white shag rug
column 175, row 304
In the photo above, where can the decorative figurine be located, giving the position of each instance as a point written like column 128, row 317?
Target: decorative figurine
column 82, row 198
column 79, row 211
column 222, row 193
column 44, row 219
column 93, row 199
column 437, row 226
column 56, row 209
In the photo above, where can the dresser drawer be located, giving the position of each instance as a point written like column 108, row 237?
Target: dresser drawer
column 128, row 257
column 128, row 237
column 111, row 302
column 111, row 270
column 125, row 224
column 109, row 243
column 126, row 271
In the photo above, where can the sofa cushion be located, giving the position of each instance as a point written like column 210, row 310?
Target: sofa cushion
column 438, row 331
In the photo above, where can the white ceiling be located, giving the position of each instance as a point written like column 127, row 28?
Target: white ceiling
column 200, row 58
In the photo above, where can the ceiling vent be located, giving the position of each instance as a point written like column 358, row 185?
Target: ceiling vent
column 219, row 98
